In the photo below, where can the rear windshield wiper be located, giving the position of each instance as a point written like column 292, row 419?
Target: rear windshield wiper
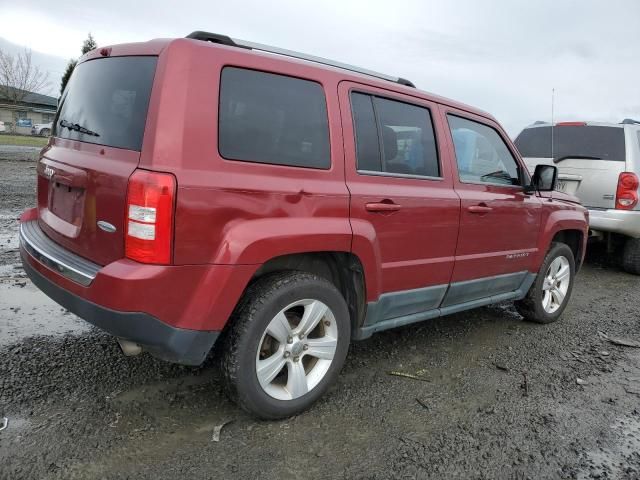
column 77, row 128
column 581, row 157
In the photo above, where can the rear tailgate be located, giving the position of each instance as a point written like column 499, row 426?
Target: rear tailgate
column 589, row 158
column 83, row 175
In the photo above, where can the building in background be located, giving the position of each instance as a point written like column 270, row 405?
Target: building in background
column 34, row 108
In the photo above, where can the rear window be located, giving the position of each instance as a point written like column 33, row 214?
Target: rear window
column 606, row 143
column 276, row 119
column 106, row 102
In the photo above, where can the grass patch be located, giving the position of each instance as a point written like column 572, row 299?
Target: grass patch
column 23, row 140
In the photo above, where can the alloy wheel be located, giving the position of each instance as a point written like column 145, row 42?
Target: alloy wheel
column 556, row 284
column 296, row 349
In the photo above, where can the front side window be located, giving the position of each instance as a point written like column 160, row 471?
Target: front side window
column 275, row 119
column 394, row 137
column 481, row 154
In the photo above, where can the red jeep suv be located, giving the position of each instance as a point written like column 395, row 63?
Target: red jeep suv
column 206, row 192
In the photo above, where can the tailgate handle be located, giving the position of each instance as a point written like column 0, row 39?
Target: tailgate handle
column 382, row 207
column 78, row 180
column 481, row 209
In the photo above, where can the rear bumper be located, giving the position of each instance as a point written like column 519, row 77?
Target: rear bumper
column 188, row 347
column 624, row 222
column 173, row 311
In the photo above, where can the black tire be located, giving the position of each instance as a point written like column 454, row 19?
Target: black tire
column 45, row 132
column 260, row 304
column 631, row 256
column 531, row 306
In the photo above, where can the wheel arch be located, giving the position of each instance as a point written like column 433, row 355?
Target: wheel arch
column 566, row 226
column 575, row 240
column 343, row 269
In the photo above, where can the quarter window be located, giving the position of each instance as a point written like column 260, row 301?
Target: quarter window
column 269, row 118
column 481, row 154
column 394, row 137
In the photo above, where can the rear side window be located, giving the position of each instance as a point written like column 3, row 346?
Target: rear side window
column 481, row 154
column 106, row 102
column 276, row 119
column 593, row 142
column 394, row 137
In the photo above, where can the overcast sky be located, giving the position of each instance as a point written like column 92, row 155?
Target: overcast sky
column 503, row 56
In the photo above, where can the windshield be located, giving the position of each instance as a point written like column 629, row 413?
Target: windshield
column 106, row 102
column 592, row 142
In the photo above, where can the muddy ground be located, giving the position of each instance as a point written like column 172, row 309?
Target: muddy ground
column 500, row 398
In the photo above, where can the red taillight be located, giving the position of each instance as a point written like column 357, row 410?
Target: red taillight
column 627, row 193
column 149, row 217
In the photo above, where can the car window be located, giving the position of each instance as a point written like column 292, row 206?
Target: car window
column 481, row 154
column 591, row 141
column 276, row 119
column 394, row 137
column 367, row 143
column 106, row 102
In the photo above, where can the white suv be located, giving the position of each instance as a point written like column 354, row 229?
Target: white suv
column 600, row 164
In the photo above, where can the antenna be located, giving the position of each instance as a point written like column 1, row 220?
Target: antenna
column 553, row 156
column 553, row 95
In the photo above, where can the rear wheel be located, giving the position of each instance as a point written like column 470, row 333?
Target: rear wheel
column 45, row 132
column 631, row 256
column 548, row 296
column 287, row 344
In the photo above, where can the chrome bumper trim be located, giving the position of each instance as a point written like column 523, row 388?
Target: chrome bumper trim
column 54, row 256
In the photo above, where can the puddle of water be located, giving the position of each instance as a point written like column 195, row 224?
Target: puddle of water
column 26, row 311
column 611, row 462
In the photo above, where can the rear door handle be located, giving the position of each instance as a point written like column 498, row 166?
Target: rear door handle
column 479, row 209
column 382, row 207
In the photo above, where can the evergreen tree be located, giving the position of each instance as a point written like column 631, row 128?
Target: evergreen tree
column 88, row 45
column 67, row 73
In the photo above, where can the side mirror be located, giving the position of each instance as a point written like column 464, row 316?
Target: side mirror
column 544, row 179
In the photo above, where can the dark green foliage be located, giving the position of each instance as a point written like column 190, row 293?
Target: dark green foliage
column 88, row 45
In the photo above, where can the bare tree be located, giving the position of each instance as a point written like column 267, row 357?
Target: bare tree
column 19, row 77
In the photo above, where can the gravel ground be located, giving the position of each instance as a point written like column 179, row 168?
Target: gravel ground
column 501, row 398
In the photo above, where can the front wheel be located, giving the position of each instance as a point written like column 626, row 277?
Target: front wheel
column 548, row 296
column 287, row 344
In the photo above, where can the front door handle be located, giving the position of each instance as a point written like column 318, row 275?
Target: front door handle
column 481, row 209
column 382, row 207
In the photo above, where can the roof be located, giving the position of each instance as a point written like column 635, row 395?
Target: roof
column 158, row 45
column 36, row 99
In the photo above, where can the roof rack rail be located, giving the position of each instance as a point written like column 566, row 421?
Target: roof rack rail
column 630, row 121
column 234, row 42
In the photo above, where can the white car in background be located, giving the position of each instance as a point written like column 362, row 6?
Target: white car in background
column 600, row 164
column 2, row 127
column 43, row 129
